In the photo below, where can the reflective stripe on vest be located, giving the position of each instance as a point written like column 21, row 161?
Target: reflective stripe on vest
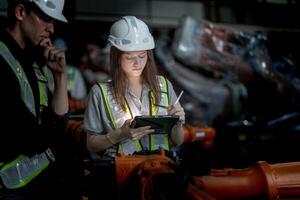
column 49, row 76
column 156, row 140
column 71, row 79
column 160, row 140
column 42, row 84
column 22, row 170
column 26, row 90
column 127, row 147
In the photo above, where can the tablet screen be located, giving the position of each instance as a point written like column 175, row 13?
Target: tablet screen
column 162, row 124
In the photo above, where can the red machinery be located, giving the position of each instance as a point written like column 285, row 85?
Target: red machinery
column 136, row 174
column 197, row 133
column 154, row 176
column 143, row 173
column 276, row 181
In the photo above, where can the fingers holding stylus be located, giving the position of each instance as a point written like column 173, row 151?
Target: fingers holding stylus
column 177, row 110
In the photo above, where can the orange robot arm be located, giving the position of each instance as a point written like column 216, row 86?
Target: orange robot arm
column 275, row 181
column 197, row 133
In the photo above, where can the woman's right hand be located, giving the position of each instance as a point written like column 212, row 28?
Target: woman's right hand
column 134, row 133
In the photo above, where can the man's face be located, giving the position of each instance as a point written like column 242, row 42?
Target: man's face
column 36, row 27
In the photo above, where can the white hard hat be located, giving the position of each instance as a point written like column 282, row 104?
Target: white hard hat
column 130, row 34
column 52, row 8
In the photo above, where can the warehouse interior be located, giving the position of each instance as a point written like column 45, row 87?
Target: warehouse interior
column 238, row 65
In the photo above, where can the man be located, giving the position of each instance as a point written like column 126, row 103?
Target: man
column 32, row 120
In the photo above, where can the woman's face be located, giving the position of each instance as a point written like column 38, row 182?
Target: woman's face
column 133, row 63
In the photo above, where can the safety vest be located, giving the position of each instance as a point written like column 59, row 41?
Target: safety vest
column 71, row 79
column 23, row 169
column 26, row 90
column 155, row 141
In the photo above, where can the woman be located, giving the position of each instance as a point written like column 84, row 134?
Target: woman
column 135, row 89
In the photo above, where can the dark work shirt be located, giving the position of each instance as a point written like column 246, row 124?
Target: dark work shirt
column 21, row 132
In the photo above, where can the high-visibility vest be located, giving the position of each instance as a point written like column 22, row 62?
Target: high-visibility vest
column 23, row 169
column 155, row 141
column 71, row 79
column 26, row 90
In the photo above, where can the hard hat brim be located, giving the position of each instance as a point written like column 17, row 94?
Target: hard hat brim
column 54, row 15
column 133, row 48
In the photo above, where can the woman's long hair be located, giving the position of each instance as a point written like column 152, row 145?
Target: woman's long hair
column 119, row 79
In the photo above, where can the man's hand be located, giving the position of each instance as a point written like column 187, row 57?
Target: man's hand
column 54, row 57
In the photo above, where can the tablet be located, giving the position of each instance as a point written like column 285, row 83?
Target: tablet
column 162, row 124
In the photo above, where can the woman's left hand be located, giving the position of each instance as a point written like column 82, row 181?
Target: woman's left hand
column 177, row 110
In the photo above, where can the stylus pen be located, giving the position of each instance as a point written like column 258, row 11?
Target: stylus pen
column 178, row 98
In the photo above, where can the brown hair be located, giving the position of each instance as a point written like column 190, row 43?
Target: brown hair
column 119, row 79
column 12, row 4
